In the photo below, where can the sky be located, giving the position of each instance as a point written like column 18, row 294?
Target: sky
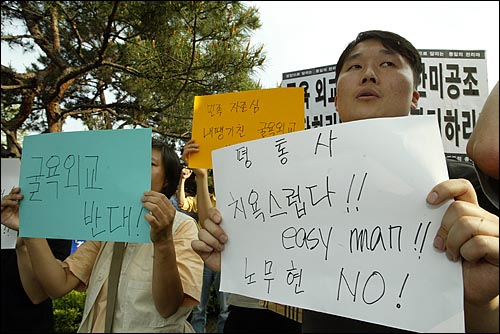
column 300, row 35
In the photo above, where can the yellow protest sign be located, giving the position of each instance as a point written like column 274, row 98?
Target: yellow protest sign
column 222, row 120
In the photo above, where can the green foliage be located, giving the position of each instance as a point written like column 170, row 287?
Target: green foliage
column 151, row 58
column 68, row 312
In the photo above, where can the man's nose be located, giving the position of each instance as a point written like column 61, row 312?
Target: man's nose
column 369, row 75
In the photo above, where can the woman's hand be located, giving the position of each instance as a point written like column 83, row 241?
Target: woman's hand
column 10, row 208
column 160, row 217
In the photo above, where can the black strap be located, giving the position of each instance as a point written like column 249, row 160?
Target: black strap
column 114, row 277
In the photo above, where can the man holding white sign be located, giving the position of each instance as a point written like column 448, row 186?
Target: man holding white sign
column 378, row 75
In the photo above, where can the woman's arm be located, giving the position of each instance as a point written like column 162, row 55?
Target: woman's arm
column 30, row 283
column 41, row 273
column 55, row 280
column 203, row 195
column 167, row 288
column 181, row 192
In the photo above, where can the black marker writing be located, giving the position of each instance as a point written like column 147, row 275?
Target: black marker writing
column 253, row 201
column 373, row 289
column 274, row 206
column 294, row 199
column 328, row 145
column 361, row 239
column 116, row 219
column 238, row 206
column 57, row 174
column 423, row 238
column 242, row 154
column 249, row 277
column 326, row 196
column 69, row 163
column 360, row 190
column 268, row 265
column 292, row 238
column 280, row 146
column 294, row 275
column 402, row 287
column 92, row 172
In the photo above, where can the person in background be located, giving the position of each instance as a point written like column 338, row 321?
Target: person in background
column 377, row 76
column 246, row 314
column 211, row 278
column 159, row 282
column 186, row 174
column 483, row 146
column 19, row 313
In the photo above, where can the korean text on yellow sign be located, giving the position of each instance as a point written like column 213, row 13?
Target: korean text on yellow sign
column 225, row 119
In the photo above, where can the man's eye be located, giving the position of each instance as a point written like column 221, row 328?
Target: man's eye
column 356, row 66
column 387, row 64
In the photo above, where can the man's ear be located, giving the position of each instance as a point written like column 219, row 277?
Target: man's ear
column 414, row 100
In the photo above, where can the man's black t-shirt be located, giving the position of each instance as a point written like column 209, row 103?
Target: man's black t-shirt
column 19, row 314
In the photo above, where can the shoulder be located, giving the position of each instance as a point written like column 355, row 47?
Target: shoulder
column 181, row 216
column 182, row 219
column 461, row 170
column 87, row 249
column 466, row 170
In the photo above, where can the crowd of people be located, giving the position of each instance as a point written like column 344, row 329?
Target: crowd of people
column 163, row 286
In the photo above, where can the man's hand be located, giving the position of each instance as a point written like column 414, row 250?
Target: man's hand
column 470, row 233
column 211, row 240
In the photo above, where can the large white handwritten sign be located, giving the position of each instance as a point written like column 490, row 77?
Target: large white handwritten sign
column 334, row 219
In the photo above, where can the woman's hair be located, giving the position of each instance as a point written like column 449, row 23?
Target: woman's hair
column 172, row 165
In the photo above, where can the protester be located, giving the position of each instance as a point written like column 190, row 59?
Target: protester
column 210, row 278
column 186, row 174
column 19, row 313
column 377, row 76
column 245, row 313
column 187, row 199
column 159, row 282
column 483, row 146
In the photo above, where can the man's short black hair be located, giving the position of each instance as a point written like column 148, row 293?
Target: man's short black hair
column 391, row 41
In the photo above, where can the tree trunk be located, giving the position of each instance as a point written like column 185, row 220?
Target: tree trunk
column 54, row 118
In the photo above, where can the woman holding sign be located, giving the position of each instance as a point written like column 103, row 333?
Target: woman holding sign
column 159, row 282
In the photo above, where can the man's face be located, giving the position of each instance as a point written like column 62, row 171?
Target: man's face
column 374, row 82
